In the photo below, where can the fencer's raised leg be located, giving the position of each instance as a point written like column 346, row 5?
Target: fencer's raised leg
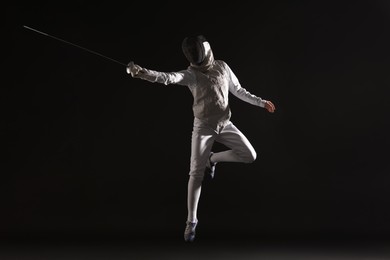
column 241, row 150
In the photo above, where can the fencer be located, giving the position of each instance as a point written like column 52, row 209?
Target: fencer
column 210, row 82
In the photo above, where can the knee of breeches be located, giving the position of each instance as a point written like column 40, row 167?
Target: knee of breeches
column 250, row 156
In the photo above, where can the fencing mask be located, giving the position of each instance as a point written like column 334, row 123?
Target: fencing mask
column 196, row 49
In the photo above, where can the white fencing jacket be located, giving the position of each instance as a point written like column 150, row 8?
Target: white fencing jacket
column 210, row 88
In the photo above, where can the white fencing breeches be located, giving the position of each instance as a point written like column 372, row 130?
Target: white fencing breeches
column 203, row 138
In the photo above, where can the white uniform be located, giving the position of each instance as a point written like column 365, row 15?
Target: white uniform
column 210, row 85
column 210, row 90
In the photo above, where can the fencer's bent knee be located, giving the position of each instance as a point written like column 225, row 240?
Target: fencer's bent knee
column 254, row 155
column 250, row 156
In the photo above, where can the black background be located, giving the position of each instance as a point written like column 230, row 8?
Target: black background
column 91, row 151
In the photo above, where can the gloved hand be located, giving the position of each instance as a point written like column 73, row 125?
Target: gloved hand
column 133, row 69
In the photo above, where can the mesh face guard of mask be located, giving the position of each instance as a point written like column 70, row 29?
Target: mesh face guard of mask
column 194, row 49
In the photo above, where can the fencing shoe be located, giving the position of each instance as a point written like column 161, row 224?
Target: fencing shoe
column 210, row 167
column 190, row 231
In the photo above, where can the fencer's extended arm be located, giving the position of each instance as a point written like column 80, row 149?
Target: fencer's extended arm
column 182, row 77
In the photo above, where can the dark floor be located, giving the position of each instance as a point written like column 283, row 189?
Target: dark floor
column 205, row 248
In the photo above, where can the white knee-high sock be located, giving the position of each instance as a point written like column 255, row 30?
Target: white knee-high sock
column 193, row 195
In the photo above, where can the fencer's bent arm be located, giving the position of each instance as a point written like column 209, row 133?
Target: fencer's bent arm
column 236, row 89
column 246, row 96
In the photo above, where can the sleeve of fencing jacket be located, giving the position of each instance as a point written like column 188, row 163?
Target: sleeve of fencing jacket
column 182, row 77
column 237, row 90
